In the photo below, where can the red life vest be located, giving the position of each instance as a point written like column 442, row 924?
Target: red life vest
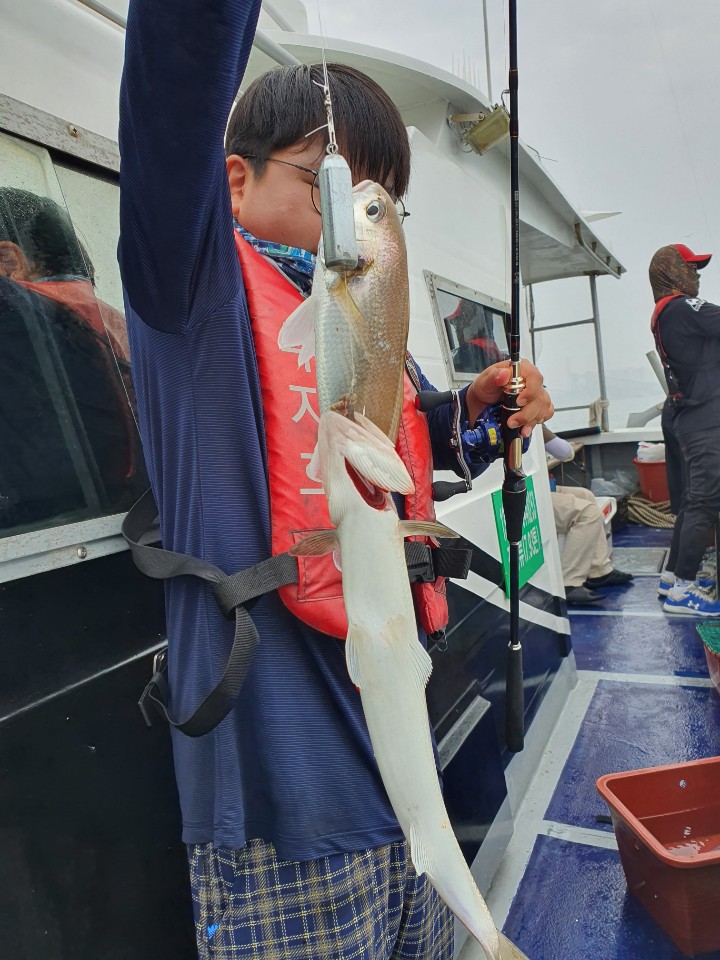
column 673, row 387
column 297, row 502
column 659, row 307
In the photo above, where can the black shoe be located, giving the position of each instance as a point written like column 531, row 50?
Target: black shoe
column 616, row 578
column 579, row 596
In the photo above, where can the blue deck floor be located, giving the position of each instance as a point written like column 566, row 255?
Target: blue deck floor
column 643, row 698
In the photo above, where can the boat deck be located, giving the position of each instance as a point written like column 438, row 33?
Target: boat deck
column 643, row 699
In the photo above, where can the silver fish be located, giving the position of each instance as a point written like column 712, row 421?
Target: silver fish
column 386, row 660
column 356, row 321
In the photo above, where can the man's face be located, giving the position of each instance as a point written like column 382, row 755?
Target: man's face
column 696, row 290
column 278, row 205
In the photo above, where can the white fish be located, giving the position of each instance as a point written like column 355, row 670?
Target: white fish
column 386, row 660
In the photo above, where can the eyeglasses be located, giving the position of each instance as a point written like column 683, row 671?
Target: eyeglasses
column 315, row 189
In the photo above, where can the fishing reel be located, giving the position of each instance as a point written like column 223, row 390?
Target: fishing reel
column 482, row 443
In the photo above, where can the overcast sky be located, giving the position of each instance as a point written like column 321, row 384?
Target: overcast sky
column 621, row 96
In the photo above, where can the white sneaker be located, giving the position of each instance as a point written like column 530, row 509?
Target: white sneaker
column 694, row 602
column 667, row 582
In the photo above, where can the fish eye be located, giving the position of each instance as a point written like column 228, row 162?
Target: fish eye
column 375, row 210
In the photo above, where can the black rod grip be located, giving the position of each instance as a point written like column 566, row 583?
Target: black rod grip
column 514, row 496
column 430, row 399
column 514, row 701
column 514, row 694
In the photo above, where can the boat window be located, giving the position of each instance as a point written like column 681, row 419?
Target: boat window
column 69, row 447
column 472, row 328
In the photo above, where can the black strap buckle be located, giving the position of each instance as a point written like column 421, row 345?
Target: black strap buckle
column 155, row 693
column 420, row 565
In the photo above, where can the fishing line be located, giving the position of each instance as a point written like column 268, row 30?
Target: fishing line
column 339, row 238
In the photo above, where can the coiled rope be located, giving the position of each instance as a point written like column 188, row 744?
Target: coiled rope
column 650, row 514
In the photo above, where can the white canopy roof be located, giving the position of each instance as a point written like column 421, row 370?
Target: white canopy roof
column 570, row 248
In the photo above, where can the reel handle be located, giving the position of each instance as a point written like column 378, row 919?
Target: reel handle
column 444, row 489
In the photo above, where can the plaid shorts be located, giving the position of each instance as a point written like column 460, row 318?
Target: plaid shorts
column 365, row 905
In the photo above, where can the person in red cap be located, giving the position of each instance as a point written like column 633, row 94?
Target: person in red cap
column 686, row 329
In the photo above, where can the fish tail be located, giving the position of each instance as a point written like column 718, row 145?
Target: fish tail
column 472, row 949
column 508, row 950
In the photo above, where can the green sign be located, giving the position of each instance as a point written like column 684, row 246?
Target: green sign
column 531, row 550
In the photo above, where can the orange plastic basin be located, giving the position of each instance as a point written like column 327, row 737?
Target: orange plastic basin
column 667, row 825
column 653, row 479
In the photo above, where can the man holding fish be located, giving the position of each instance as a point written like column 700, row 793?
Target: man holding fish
column 294, row 847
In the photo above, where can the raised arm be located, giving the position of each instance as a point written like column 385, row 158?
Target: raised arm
column 184, row 60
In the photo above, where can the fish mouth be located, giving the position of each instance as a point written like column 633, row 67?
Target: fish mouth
column 373, row 496
column 363, row 265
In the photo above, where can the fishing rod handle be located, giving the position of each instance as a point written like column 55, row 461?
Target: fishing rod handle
column 514, row 495
column 512, row 438
column 514, row 701
column 427, row 400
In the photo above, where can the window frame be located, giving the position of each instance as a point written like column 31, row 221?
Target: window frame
column 49, row 548
column 434, row 282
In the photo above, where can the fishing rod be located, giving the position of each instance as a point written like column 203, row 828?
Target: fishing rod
column 514, row 488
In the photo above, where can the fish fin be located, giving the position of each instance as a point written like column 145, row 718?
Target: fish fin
column 421, row 662
column 315, row 544
column 313, row 468
column 425, row 528
column 380, row 465
column 418, row 852
column 369, row 451
column 351, row 655
column 299, row 331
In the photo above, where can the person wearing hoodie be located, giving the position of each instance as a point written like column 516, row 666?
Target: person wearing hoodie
column 686, row 329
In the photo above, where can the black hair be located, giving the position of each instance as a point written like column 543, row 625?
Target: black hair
column 282, row 106
column 44, row 232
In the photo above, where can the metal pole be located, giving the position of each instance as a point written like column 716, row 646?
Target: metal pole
column 599, row 350
column 487, row 51
column 105, row 11
column 261, row 41
column 277, row 16
column 273, row 50
column 657, row 369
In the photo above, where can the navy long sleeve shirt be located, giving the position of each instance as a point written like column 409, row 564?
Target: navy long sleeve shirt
column 292, row 763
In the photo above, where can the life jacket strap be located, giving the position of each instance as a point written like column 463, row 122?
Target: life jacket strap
column 426, row 564
column 234, row 593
